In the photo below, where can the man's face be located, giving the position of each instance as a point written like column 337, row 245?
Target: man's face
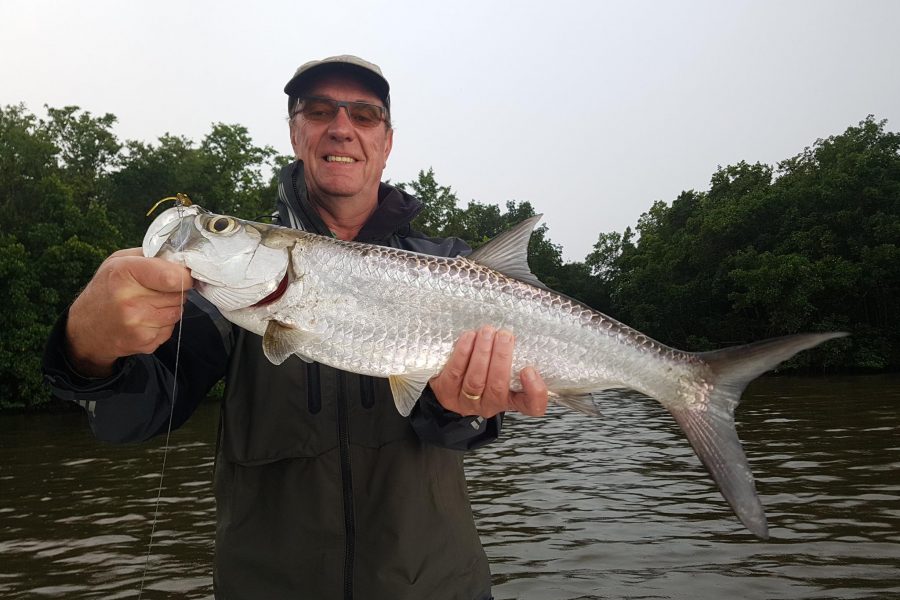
column 341, row 160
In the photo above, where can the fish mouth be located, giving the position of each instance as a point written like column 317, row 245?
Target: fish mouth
column 172, row 227
column 275, row 295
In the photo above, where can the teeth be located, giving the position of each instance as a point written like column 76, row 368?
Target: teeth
column 343, row 159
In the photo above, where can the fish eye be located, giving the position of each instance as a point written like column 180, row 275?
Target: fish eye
column 222, row 225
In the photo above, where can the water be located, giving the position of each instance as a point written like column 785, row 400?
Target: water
column 568, row 507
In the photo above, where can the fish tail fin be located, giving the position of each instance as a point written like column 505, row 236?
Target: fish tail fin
column 705, row 412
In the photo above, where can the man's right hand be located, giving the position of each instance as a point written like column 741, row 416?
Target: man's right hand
column 130, row 306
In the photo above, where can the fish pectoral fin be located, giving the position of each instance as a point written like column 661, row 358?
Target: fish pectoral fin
column 583, row 403
column 280, row 341
column 407, row 389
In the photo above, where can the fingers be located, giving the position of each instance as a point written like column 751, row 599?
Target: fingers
column 143, row 340
column 129, row 307
column 532, row 400
column 447, row 384
column 495, row 397
column 476, row 378
column 146, row 292
column 167, row 316
column 158, row 275
column 456, row 366
column 167, row 300
column 127, row 252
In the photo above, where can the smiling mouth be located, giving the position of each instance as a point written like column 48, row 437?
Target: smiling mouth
column 340, row 159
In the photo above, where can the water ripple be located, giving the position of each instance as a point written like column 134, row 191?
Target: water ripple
column 568, row 507
column 632, row 513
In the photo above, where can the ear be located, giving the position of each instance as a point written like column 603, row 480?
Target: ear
column 295, row 137
column 388, row 144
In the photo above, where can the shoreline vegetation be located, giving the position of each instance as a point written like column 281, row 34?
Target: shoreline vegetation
column 809, row 244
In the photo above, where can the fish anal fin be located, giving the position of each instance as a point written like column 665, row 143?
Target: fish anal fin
column 582, row 402
column 507, row 253
column 280, row 341
column 407, row 389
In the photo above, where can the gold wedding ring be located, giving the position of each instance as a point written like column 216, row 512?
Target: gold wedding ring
column 472, row 397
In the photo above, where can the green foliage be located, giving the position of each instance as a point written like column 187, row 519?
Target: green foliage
column 810, row 245
column 25, row 322
column 71, row 194
column 27, row 159
column 88, row 148
column 55, row 230
column 227, row 173
column 478, row 223
column 440, row 202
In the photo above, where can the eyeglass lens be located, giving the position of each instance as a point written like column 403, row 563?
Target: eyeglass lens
column 324, row 110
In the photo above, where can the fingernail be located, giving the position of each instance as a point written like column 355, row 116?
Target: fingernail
column 504, row 336
column 466, row 338
column 487, row 332
column 527, row 374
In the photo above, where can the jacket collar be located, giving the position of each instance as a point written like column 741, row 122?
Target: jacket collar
column 395, row 208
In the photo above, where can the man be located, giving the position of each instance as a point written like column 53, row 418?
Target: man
column 322, row 489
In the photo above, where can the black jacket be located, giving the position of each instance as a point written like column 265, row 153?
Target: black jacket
column 322, row 489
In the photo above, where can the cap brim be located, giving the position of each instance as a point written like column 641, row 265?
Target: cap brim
column 298, row 84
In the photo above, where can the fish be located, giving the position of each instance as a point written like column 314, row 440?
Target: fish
column 397, row 314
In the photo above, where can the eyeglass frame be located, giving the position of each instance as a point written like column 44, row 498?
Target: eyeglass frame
column 385, row 113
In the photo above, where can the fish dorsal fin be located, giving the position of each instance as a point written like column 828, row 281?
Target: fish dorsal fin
column 407, row 389
column 508, row 253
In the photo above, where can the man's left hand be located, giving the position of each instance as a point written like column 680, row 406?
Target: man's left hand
column 475, row 380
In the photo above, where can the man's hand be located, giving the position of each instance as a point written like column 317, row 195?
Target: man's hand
column 130, row 306
column 475, row 380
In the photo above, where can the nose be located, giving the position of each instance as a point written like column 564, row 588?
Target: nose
column 341, row 127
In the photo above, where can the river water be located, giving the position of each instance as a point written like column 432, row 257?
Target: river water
column 568, row 507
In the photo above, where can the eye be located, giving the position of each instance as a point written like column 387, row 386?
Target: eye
column 222, row 225
column 366, row 115
column 319, row 110
column 364, row 120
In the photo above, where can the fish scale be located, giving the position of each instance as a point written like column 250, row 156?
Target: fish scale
column 411, row 339
column 392, row 313
column 567, row 340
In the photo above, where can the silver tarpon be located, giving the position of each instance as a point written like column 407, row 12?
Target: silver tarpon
column 396, row 314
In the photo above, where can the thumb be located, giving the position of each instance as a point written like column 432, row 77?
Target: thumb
column 160, row 275
column 127, row 252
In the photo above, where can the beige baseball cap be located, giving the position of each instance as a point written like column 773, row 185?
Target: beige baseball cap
column 368, row 73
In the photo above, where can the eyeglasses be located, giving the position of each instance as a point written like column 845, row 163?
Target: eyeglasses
column 324, row 110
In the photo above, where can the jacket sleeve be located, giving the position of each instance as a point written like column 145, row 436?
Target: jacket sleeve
column 134, row 404
column 438, row 426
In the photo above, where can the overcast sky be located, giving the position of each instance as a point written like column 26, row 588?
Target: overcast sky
column 589, row 110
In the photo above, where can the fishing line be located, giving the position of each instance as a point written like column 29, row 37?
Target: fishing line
column 162, row 470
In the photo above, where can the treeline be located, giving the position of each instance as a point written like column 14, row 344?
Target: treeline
column 806, row 246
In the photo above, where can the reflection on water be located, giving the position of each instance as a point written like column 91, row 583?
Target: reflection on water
column 568, row 507
column 75, row 514
column 622, row 508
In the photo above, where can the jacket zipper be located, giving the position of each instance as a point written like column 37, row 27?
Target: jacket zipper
column 343, row 418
